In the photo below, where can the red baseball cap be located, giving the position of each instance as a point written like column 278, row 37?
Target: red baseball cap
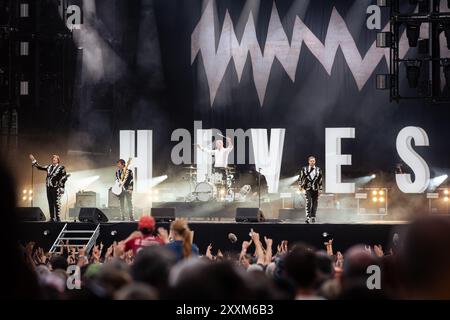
column 146, row 222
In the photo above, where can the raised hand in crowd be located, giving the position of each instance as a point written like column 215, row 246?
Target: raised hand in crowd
column 119, row 250
column 109, row 252
column 39, row 256
column 129, row 256
column 163, row 234
column 208, row 253
column 329, row 247
column 339, row 260
column 378, row 250
column 269, row 243
column 96, row 254
column 282, row 247
column 259, row 250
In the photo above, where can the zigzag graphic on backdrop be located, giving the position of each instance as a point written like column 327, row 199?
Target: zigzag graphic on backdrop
column 277, row 46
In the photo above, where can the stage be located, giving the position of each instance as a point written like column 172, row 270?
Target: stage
column 344, row 235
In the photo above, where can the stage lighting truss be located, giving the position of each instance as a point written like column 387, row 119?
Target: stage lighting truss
column 439, row 201
column 423, row 72
column 372, row 201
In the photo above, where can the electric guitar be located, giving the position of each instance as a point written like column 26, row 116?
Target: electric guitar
column 117, row 188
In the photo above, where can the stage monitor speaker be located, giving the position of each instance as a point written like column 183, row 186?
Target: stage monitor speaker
column 249, row 215
column 163, row 214
column 94, row 215
column 113, row 200
column 30, row 214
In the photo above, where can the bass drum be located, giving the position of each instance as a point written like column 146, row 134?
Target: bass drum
column 205, row 191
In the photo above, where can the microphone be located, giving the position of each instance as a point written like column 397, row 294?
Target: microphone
column 232, row 237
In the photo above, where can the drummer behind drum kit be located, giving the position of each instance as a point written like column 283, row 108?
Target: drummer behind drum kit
column 219, row 186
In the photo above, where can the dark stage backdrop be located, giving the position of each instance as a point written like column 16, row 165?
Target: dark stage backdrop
column 295, row 64
column 309, row 98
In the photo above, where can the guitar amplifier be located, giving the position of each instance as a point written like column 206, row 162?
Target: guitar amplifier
column 85, row 199
column 113, row 200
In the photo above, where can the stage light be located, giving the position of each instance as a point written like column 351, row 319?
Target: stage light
column 286, row 182
column 374, row 199
column 381, row 199
column 157, row 180
column 413, row 72
column 30, row 191
column 113, row 232
column 383, row 39
column 360, row 181
column 82, row 183
column 446, row 191
column 24, row 191
column 24, row 198
column 413, row 32
column 156, row 191
column 446, row 199
column 46, row 232
column 30, row 198
column 382, row 82
column 384, row 3
column 374, row 192
column 424, row 6
column 381, row 192
column 436, row 182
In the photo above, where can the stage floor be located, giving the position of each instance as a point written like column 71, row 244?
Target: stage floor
column 216, row 232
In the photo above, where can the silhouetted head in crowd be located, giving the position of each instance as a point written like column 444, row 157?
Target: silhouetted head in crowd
column 356, row 261
column 301, row 267
column 211, row 281
column 424, row 259
column 262, row 288
column 324, row 266
column 146, row 225
column 58, row 262
column 18, row 278
column 179, row 230
column 112, row 279
column 355, row 274
column 152, row 266
column 136, row 291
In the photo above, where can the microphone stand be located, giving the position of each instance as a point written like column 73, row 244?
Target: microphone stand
column 32, row 185
column 259, row 188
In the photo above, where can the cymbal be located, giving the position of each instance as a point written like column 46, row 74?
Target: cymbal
column 190, row 168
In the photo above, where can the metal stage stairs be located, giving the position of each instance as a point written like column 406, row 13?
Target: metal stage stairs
column 76, row 238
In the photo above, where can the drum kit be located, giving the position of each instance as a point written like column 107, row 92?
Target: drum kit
column 219, row 186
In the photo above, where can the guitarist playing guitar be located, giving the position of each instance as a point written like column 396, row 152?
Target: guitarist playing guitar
column 124, row 177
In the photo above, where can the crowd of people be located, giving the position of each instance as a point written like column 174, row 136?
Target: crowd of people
column 155, row 263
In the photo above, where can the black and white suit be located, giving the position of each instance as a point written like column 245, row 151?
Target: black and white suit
column 127, row 194
column 55, row 181
column 311, row 180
